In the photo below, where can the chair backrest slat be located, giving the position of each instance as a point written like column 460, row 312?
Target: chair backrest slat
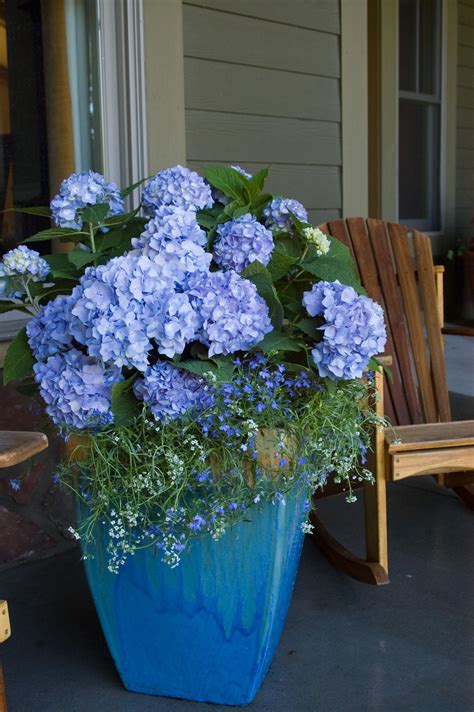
column 424, row 263
column 403, row 367
column 408, row 287
column 362, row 249
column 395, row 277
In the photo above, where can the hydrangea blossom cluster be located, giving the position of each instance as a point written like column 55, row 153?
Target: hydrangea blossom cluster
column 318, row 239
column 120, row 306
column 81, row 190
column 241, row 241
column 353, row 331
column 235, row 317
column 277, row 214
column 170, row 224
column 23, row 262
column 76, row 389
column 176, row 186
column 170, row 392
column 48, row 331
column 219, row 196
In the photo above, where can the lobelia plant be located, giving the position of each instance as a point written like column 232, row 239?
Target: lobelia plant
column 214, row 347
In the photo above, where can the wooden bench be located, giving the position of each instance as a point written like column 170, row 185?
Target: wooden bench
column 15, row 447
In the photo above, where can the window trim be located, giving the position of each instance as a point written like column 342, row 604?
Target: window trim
column 122, row 90
column 383, row 141
column 435, row 99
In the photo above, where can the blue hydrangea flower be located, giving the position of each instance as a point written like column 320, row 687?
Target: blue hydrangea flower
column 177, row 261
column 80, row 190
column 176, row 186
column 277, row 214
column 179, row 324
column 170, row 224
column 48, row 330
column 241, row 241
column 235, row 317
column 219, row 196
column 21, row 261
column 76, row 389
column 122, row 305
column 353, row 331
column 171, row 393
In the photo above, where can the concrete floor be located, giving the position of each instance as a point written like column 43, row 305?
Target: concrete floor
column 346, row 647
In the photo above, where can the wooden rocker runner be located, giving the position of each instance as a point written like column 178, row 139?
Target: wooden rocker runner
column 396, row 269
column 15, row 447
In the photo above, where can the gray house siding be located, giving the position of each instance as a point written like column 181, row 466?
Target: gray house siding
column 465, row 120
column 262, row 87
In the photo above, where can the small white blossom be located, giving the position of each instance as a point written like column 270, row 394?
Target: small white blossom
column 316, row 237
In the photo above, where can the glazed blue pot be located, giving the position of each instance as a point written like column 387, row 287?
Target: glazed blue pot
column 206, row 630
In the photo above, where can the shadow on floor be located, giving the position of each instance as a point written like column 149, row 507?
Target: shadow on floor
column 346, row 647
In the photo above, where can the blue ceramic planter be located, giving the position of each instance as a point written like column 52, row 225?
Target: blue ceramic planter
column 208, row 629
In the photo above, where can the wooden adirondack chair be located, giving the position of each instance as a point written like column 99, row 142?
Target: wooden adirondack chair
column 396, row 269
column 15, row 447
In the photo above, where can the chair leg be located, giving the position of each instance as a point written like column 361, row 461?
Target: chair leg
column 3, row 694
column 375, row 510
column 341, row 558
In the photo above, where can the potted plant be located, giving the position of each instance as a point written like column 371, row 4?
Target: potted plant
column 207, row 357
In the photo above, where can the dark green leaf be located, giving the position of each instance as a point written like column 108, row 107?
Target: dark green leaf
column 55, row 232
column 280, row 264
column 19, row 359
column 257, row 182
column 336, row 264
column 299, row 225
column 208, row 218
column 10, row 306
column 79, row 257
column 276, row 341
column 43, row 212
column 230, row 182
column 261, row 277
column 28, row 388
column 288, row 245
column 127, row 191
column 235, row 209
column 61, row 266
column 260, row 202
column 309, row 327
column 95, row 214
column 117, row 241
column 116, row 220
column 220, row 368
column 125, row 406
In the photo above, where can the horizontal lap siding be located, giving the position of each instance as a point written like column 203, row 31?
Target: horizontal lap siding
column 262, row 87
column 465, row 120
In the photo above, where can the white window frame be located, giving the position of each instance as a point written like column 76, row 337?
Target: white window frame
column 122, row 90
column 389, row 87
column 122, row 101
column 436, row 99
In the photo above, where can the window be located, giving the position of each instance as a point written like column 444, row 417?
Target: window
column 24, row 177
column 419, row 114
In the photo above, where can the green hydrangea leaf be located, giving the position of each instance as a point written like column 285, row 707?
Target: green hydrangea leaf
column 125, row 406
column 19, row 359
column 95, row 214
column 261, row 277
column 336, row 264
column 54, row 233
column 230, row 182
column 276, row 341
